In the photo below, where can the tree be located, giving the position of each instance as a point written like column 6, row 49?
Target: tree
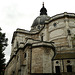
column 74, row 37
column 3, row 45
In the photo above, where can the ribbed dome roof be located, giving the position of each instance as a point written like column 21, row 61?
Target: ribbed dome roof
column 42, row 18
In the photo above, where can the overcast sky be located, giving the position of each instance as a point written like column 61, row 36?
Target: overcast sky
column 21, row 14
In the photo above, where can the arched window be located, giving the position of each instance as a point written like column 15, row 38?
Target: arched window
column 42, row 37
column 69, row 32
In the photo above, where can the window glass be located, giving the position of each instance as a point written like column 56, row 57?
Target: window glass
column 54, row 24
column 69, row 68
column 38, row 27
column 57, row 69
column 25, row 55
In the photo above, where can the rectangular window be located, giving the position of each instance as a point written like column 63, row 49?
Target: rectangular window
column 69, row 68
column 25, row 55
column 13, row 73
column 42, row 38
column 57, row 69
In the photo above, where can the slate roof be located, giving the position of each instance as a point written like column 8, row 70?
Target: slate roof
column 64, row 56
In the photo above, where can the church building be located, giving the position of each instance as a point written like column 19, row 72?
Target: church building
column 47, row 49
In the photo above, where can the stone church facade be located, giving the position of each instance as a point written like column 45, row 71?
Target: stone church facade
column 48, row 48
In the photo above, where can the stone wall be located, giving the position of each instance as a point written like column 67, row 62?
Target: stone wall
column 41, row 60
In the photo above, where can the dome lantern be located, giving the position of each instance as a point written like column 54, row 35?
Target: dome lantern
column 43, row 10
column 40, row 20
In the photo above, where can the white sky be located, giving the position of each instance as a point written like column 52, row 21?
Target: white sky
column 21, row 14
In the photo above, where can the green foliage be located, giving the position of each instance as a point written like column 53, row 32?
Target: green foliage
column 3, row 45
column 73, row 38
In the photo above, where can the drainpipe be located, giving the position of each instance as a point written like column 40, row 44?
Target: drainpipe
column 53, row 59
column 63, row 65
column 30, row 58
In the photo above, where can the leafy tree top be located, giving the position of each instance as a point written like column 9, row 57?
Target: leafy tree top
column 3, row 45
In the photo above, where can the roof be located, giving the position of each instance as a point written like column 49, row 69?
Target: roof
column 61, row 15
column 64, row 56
column 40, row 20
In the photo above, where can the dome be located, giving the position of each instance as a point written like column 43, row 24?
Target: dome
column 42, row 18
